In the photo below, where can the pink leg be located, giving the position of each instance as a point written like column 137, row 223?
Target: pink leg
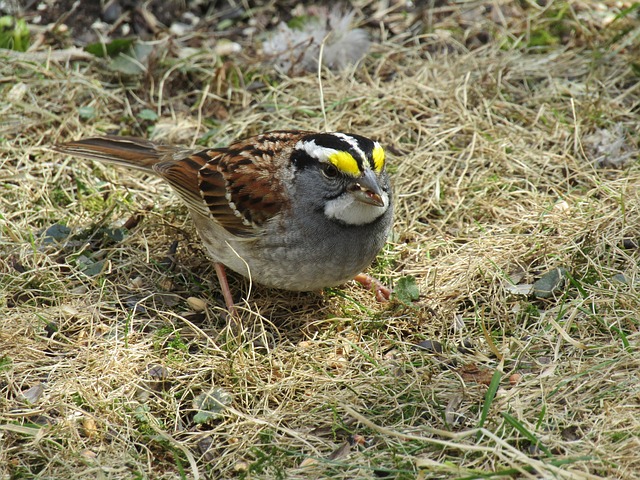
column 226, row 293
column 383, row 293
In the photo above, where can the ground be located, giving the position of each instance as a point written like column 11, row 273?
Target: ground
column 510, row 347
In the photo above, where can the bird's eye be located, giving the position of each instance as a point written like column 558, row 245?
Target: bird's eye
column 330, row 171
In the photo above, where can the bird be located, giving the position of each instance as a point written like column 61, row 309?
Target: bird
column 290, row 209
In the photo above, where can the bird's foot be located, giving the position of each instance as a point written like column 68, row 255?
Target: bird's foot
column 383, row 293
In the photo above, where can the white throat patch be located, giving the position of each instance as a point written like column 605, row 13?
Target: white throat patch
column 353, row 212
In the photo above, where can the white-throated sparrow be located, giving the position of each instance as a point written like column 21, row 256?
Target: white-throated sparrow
column 294, row 210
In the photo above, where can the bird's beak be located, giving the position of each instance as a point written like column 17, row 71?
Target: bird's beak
column 366, row 189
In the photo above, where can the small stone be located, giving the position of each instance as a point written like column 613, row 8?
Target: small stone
column 158, row 377
column 431, row 346
column 89, row 454
column 340, row 452
column 571, row 434
column 390, row 355
column 89, row 427
column 33, row 394
column 111, row 11
column 166, row 284
column 44, row 420
column 338, row 363
column 308, row 462
column 167, row 299
column 79, row 290
column 466, row 347
column 515, row 378
column 620, row 278
column 133, row 303
column 550, row 283
column 197, row 304
column 450, row 364
column 523, row 289
column 224, row 48
column 179, row 28
column 69, row 311
column 453, row 415
column 534, row 450
column 16, row 93
column 157, row 372
column 204, row 446
column 191, row 18
column 241, row 467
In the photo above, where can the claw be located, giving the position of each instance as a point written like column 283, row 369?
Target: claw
column 382, row 292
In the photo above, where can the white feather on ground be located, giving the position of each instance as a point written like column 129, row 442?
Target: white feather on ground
column 294, row 50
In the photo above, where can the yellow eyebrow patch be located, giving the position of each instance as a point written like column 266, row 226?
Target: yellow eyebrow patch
column 378, row 158
column 345, row 162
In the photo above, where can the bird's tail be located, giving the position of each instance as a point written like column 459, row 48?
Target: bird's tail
column 127, row 151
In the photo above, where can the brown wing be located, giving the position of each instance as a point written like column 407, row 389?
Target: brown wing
column 240, row 187
column 197, row 181
column 180, row 167
column 253, row 184
column 252, row 172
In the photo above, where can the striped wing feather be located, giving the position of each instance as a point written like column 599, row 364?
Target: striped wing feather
column 207, row 181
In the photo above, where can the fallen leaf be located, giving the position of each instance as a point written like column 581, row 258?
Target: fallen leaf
column 473, row 373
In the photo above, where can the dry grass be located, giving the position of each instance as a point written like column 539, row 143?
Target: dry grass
column 493, row 151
